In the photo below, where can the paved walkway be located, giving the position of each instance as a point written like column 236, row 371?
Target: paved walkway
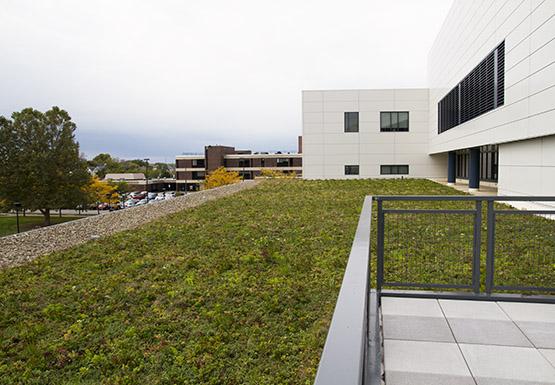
column 482, row 191
column 455, row 342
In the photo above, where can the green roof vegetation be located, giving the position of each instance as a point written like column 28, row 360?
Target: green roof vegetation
column 237, row 291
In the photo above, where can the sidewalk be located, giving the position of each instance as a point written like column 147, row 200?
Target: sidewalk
column 482, row 191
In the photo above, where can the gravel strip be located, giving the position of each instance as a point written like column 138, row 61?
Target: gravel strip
column 18, row 249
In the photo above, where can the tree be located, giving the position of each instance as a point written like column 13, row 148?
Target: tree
column 103, row 164
column 40, row 165
column 221, row 177
column 101, row 191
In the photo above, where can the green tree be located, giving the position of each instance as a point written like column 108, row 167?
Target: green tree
column 40, row 164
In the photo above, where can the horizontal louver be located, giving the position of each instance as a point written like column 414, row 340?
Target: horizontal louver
column 480, row 91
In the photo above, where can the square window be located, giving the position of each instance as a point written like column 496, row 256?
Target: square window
column 394, row 121
column 351, row 169
column 351, row 121
column 394, row 169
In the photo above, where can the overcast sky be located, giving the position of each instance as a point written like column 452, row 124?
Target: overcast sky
column 165, row 77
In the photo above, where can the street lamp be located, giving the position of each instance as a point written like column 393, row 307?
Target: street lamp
column 146, row 178
column 17, row 207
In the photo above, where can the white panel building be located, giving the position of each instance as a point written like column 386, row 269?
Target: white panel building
column 488, row 115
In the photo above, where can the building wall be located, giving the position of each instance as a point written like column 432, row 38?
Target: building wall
column 327, row 148
column 472, row 30
column 214, row 156
column 527, row 167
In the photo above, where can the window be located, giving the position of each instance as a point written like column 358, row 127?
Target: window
column 283, row 162
column 197, row 163
column 244, row 163
column 392, row 121
column 394, row 169
column 351, row 121
column 482, row 90
column 351, row 170
column 197, row 175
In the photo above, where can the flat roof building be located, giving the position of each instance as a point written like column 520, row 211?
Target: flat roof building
column 488, row 114
column 191, row 170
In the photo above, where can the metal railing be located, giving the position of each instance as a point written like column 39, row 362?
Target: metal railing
column 344, row 358
column 448, row 254
column 412, row 249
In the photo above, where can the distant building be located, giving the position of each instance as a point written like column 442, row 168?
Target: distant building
column 132, row 178
column 191, row 170
column 138, row 182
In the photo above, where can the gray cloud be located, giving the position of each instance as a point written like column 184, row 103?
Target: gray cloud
column 145, row 78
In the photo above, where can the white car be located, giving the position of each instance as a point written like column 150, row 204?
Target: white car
column 159, row 198
column 169, row 194
column 152, row 195
column 141, row 202
column 129, row 203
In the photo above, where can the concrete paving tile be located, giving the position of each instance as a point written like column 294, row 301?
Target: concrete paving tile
column 533, row 312
column 549, row 354
column 437, row 358
column 472, row 309
column 413, row 328
column 504, row 381
column 542, row 334
column 501, row 364
column 411, row 378
column 411, row 307
column 488, row 332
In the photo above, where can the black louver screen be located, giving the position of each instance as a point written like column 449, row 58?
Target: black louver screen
column 480, row 91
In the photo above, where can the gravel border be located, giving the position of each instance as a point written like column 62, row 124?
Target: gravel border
column 18, row 249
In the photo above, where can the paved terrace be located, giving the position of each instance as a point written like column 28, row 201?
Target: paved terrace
column 458, row 342
column 473, row 336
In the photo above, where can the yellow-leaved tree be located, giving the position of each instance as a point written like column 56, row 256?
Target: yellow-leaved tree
column 221, row 177
column 100, row 191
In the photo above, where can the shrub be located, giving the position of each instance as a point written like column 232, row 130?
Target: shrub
column 221, row 177
column 269, row 173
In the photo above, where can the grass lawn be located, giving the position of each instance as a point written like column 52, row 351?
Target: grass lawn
column 237, row 291
column 8, row 223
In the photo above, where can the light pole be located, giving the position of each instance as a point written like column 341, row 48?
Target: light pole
column 17, row 207
column 146, row 178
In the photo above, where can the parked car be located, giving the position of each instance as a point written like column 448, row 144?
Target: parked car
column 103, row 206
column 141, row 202
column 129, row 203
column 159, row 197
column 152, row 195
column 138, row 195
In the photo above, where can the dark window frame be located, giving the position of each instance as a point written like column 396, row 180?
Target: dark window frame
column 394, row 169
column 348, row 123
column 391, row 114
column 283, row 162
column 352, row 169
column 480, row 91
column 197, row 163
column 244, row 162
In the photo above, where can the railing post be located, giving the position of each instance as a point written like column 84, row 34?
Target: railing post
column 476, row 247
column 490, row 258
column 380, row 246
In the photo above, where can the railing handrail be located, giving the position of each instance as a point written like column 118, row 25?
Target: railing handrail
column 343, row 358
column 463, row 198
column 491, row 288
